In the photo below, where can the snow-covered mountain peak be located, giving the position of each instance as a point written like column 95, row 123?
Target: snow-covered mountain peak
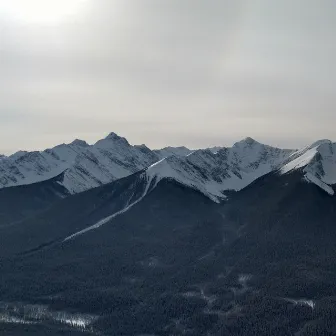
column 83, row 166
column 183, row 171
column 17, row 154
column 315, row 152
column 115, row 137
column 248, row 141
column 214, row 173
column 141, row 146
column 79, row 142
column 86, row 166
column 320, row 142
column 112, row 140
column 317, row 162
column 248, row 147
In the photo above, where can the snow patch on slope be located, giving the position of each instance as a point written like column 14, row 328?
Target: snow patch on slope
column 300, row 160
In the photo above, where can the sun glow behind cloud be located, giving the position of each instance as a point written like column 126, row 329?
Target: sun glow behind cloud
column 44, row 12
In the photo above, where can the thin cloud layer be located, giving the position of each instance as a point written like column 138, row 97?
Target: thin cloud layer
column 188, row 72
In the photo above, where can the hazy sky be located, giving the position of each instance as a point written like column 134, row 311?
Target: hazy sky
column 167, row 72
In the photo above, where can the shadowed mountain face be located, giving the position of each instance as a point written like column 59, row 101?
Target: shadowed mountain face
column 125, row 270
column 176, row 263
column 63, row 218
column 19, row 203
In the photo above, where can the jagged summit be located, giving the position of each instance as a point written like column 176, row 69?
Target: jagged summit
column 319, row 143
column 250, row 141
column 178, row 147
column 81, row 143
column 17, row 154
column 213, row 173
column 115, row 137
column 83, row 166
column 246, row 141
column 141, row 146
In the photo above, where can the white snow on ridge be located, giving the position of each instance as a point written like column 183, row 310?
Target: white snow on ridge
column 211, row 171
column 300, row 160
column 318, row 163
column 87, row 166
column 84, row 166
column 175, row 168
column 324, row 164
column 228, row 169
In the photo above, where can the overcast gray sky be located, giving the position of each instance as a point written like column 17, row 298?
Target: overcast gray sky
column 167, row 72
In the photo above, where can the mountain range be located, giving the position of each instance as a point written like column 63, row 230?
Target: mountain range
column 211, row 171
column 119, row 239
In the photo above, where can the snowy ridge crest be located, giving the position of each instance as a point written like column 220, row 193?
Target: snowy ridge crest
column 83, row 166
column 317, row 162
column 213, row 173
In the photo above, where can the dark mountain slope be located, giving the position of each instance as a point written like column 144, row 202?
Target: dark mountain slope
column 18, row 203
column 131, row 271
column 178, row 264
column 70, row 215
column 286, row 246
